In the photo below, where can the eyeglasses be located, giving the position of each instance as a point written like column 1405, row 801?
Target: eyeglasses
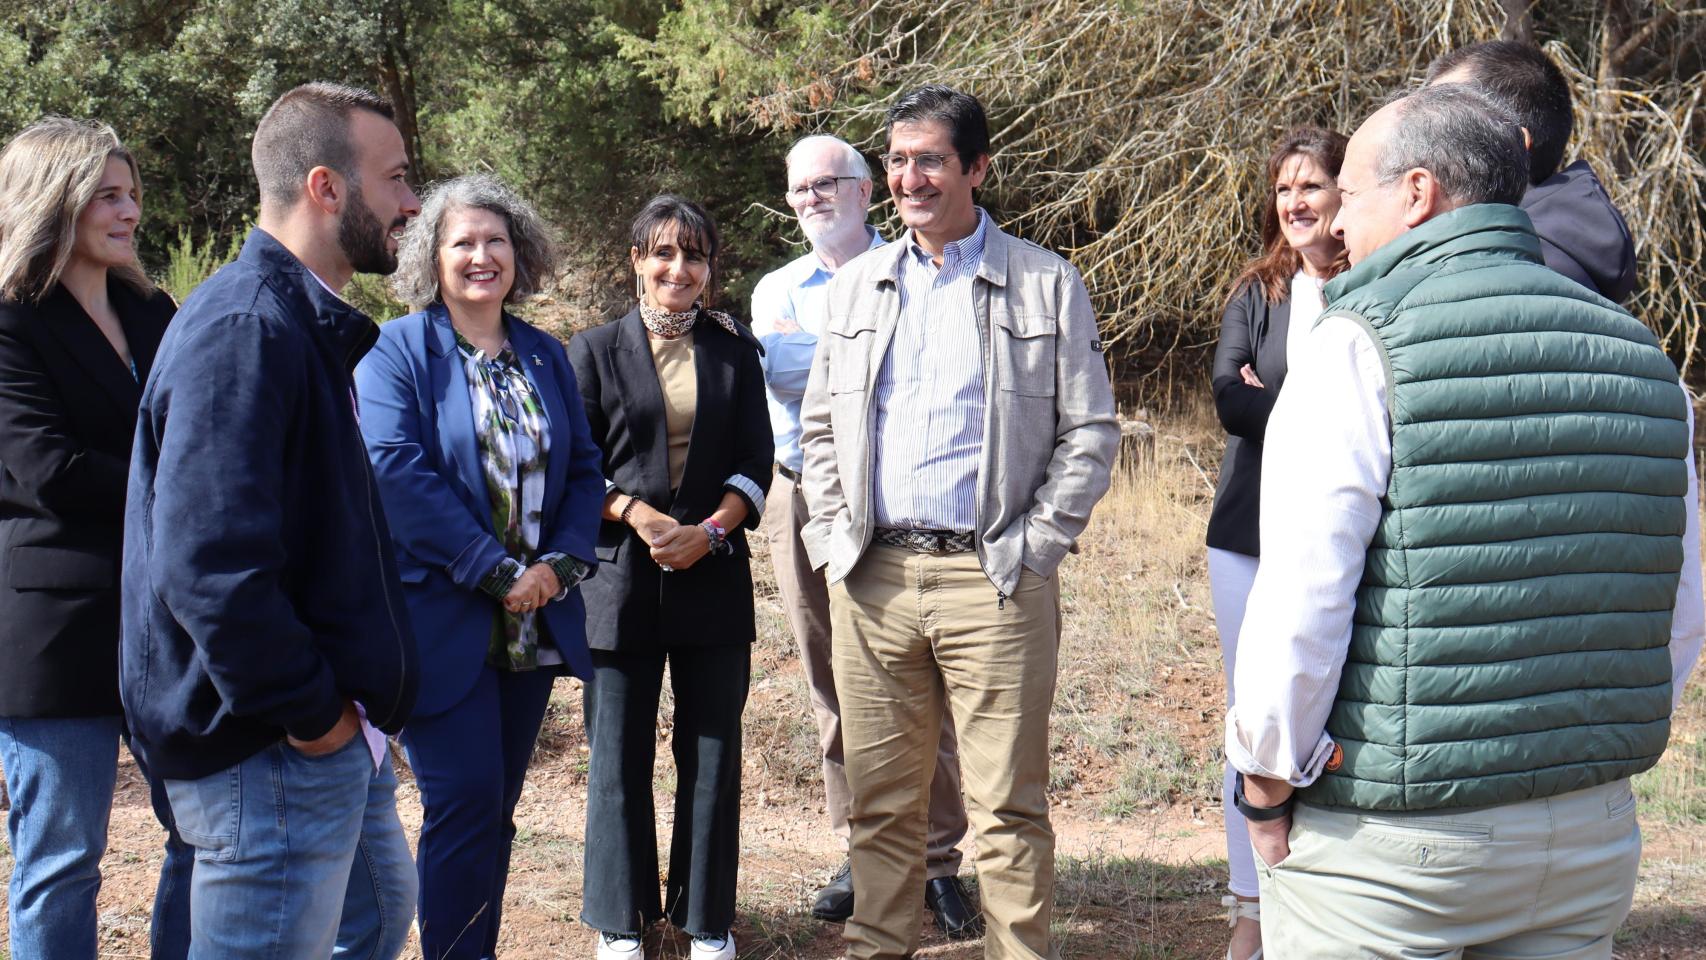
column 927, row 163
column 823, row 188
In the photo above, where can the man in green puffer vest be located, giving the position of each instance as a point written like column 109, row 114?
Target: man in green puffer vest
column 1482, row 599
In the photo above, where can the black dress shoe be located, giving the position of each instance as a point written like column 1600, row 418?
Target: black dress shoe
column 955, row 915
column 835, row 901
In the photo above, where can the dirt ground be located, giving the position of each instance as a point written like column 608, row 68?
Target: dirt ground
column 1138, row 887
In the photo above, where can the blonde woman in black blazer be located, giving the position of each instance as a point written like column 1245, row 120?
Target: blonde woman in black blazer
column 78, row 332
column 675, row 396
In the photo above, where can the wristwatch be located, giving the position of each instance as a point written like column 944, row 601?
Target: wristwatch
column 1253, row 812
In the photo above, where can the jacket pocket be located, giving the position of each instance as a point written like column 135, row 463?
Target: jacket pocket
column 848, row 339
column 409, row 574
column 1024, row 353
column 58, row 568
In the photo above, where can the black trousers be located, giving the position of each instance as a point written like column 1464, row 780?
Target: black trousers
column 620, row 891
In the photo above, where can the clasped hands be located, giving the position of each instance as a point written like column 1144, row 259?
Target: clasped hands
column 675, row 546
column 537, row 586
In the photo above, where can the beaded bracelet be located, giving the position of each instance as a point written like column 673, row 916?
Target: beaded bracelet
column 717, row 535
column 628, row 508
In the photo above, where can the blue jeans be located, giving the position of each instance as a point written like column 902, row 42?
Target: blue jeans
column 297, row 856
column 60, row 774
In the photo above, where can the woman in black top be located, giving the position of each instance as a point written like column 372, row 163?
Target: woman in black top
column 79, row 324
column 675, row 396
column 1273, row 303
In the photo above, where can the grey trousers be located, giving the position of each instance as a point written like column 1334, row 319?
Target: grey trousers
column 805, row 595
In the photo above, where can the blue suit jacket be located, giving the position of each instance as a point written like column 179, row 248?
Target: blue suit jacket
column 419, row 428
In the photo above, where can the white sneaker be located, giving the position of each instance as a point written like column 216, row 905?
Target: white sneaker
column 713, row 948
column 620, row 946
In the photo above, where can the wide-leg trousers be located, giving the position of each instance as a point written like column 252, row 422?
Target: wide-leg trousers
column 620, row 889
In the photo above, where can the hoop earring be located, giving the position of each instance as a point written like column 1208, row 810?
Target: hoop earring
column 639, row 288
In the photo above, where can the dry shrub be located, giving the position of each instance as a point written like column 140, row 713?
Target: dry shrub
column 1130, row 133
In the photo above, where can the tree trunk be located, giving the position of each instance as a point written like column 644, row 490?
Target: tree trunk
column 396, row 75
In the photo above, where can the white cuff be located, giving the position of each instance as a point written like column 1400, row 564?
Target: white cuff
column 1277, row 767
column 748, row 489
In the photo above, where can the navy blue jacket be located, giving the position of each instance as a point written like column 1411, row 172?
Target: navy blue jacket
column 259, row 589
column 1582, row 236
column 419, row 425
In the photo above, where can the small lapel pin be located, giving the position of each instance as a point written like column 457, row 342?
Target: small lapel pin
column 536, row 361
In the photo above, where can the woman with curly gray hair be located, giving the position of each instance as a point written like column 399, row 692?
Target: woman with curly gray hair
column 492, row 485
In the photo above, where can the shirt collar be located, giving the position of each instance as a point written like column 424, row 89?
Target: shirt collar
column 810, row 267
column 965, row 251
column 323, row 284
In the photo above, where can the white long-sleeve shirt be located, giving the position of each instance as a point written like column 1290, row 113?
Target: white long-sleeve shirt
column 1327, row 458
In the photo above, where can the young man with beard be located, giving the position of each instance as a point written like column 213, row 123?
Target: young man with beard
column 265, row 635
column 829, row 189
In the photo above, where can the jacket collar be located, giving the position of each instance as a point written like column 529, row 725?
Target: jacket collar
column 1498, row 229
column 992, row 266
column 343, row 328
column 441, row 336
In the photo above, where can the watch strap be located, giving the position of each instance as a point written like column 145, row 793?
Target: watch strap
column 1253, row 812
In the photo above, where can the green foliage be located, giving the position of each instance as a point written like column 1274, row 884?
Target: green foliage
column 189, row 263
column 711, row 58
column 372, row 295
column 537, row 91
column 1127, row 132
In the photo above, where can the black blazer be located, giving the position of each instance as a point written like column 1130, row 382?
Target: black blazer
column 67, row 420
column 632, row 605
column 1252, row 331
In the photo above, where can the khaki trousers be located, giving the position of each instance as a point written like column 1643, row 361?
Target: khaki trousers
column 914, row 635
column 1550, row 878
column 805, row 596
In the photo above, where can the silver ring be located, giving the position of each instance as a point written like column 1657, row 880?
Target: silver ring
column 666, row 568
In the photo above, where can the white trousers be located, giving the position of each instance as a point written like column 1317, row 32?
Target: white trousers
column 1230, row 576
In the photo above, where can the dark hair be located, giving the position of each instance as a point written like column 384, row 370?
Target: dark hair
column 1459, row 135
column 1274, row 267
column 695, row 230
column 1523, row 82
column 968, row 128
column 305, row 128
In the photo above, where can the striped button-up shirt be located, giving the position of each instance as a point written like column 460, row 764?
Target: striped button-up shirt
column 929, row 393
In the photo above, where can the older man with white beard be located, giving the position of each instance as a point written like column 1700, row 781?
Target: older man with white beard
column 829, row 189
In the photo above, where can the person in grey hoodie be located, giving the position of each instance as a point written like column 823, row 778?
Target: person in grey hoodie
column 1582, row 236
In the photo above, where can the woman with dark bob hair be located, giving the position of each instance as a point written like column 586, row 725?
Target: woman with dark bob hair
column 1272, row 304
column 79, row 327
column 675, row 395
column 491, row 484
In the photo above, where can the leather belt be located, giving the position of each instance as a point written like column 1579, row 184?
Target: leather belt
column 790, row 474
column 925, row 541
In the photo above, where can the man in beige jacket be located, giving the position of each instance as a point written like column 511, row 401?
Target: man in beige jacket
column 957, row 428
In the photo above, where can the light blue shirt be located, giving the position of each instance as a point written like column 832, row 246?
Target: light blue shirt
column 929, row 393
column 795, row 292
